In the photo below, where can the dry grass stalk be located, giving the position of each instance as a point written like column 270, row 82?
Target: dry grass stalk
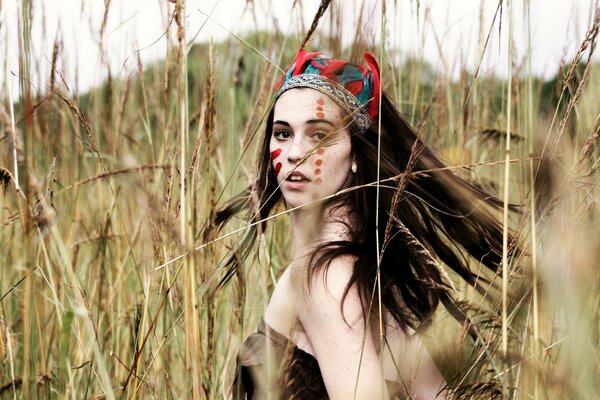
column 535, row 290
column 193, row 356
column 321, row 10
column 104, row 20
column 209, row 301
column 506, row 188
column 588, row 147
column 169, row 182
column 588, row 42
column 119, row 171
column 122, row 106
column 55, row 50
column 3, row 340
column 181, row 62
column 256, row 115
column 209, row 136
column 91, row 138
column 17, row 145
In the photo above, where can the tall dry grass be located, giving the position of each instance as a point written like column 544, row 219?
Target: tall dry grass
column 109, row 251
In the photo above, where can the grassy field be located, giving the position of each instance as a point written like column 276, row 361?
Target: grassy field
column 109, row 255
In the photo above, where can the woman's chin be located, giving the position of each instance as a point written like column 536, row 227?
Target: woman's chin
column 302, row 202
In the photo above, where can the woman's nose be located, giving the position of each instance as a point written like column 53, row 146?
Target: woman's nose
column 297, row 152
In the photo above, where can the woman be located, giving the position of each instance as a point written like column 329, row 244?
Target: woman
column 343, row 319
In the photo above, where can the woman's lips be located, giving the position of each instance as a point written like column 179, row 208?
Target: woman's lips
column 296, row 181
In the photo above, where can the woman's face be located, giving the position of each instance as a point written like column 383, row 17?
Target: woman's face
column 310, row 146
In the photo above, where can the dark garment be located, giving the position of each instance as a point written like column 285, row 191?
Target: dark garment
column 291, row 374
column 269, row 362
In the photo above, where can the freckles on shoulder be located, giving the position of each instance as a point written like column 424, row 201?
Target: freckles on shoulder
column 322, row 308
column 329, row 284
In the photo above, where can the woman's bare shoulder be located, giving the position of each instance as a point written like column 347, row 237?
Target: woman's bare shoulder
column 324, row 292
column 335, row 327
column 333, row 278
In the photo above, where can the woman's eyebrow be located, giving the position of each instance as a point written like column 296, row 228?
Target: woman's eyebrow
column 310, row 121
column 316, row 121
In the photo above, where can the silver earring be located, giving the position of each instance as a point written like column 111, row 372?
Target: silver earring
column 353, row 167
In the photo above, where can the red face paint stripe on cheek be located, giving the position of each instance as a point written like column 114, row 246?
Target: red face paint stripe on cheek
column 275, row 153
column 277, row 168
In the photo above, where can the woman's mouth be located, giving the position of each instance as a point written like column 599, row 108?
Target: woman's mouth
column 296, row 180
column 296, row 177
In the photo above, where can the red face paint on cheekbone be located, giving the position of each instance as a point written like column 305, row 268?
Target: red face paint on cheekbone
column 320, row 151
column 274, row 154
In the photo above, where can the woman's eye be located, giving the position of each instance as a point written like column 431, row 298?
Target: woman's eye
column 320, row 136
column 282, row 135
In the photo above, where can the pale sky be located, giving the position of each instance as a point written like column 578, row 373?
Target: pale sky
column 446, row 32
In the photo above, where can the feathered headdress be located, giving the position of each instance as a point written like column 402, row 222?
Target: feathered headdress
column 355, row 88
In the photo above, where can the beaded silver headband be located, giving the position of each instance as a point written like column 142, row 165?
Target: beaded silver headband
column 335, row 91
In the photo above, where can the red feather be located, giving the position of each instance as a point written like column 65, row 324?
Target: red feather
column 301, row 58
column 374, row 104
column 354, row 87
column 334, row 69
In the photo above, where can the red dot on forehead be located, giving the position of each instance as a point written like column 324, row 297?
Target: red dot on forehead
column 318, row 162
column 320, row 101
column 317, row 171
column 319, row 108
column 320, row 151
column 318, row 181
column 320, row 115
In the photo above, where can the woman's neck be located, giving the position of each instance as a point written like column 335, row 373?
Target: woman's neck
column 316, row 225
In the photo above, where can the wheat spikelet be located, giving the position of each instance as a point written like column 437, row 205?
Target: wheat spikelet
column 322, row 8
